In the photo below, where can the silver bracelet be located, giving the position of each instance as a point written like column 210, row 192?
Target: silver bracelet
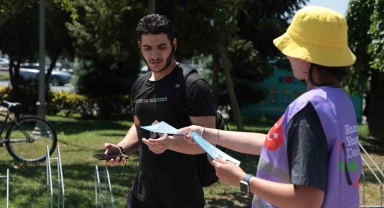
column 217, row 137
column 202, row 132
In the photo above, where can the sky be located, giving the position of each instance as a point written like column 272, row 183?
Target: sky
column 337, row 5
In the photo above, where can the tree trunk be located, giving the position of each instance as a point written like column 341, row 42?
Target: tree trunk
column 14, row 71
column 151, row 6
column 376, row 105
column 51, row 66
column 14, row 75
column 231, row 91
column 215, row 78
column 11, row 71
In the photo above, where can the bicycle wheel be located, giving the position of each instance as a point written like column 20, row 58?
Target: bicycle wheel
column 28, row 138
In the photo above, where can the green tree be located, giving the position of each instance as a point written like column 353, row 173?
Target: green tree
column 376, row 50
column 358, row 19
column 366, row 39
column 258, row 22
column 58, row 42
column 226, row 21
column 104, row 33
column 262, row 21
column 19, row 35
column 224, row 26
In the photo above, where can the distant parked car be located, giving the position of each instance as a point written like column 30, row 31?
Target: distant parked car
column 31, row 72
column 4, row 64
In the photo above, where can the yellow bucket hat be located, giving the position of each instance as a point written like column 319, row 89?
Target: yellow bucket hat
column 317, row 35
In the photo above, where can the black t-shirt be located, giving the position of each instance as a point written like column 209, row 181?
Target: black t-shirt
column 169, row 179
column 307, row 149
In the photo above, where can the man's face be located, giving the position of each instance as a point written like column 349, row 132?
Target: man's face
column 156, row 51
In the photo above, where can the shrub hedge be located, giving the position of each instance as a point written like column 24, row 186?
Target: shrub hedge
column 72, row 105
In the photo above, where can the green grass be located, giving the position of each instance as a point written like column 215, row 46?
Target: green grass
column 4, row 76
column 376, row 151
column 79, row 140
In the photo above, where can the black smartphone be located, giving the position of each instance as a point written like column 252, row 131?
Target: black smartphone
column 154, row 135
column 110, row 156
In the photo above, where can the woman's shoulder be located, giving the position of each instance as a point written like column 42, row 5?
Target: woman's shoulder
column 318, row 97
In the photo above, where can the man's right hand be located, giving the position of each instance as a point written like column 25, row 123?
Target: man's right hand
column 110, row 149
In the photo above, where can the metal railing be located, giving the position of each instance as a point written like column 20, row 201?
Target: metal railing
column 376, row 176
column 103, row 190
column 7, row 177
column 60, row 180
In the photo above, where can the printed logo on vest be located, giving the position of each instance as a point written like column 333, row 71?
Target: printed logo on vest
column 275, row 136
column 349, row 156
column 347, row 167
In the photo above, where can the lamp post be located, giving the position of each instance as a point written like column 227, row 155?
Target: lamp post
column 41, row 92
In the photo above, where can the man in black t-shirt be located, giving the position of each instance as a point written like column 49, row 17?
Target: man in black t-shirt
column 165, row 178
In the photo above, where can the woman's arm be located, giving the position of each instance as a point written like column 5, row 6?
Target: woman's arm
column 286, row 195
column 244, row 142
column 278, row 194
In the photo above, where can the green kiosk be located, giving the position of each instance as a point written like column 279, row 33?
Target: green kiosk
column 283, row 89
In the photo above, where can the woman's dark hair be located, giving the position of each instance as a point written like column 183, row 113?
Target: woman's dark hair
column 155, row 24
column 339, row 73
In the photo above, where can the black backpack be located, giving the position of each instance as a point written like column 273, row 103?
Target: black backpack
column 206, row 172
column 187, row 70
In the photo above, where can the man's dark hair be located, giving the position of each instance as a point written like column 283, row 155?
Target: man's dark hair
column 155, row 24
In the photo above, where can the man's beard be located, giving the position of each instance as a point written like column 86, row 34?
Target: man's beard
column 167, row 63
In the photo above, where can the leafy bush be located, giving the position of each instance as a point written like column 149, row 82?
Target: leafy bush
column 99, row 79
column 26, row 94
column 5, row 92
column 71, row 104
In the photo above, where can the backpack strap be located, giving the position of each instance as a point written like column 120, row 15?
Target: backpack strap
column 183, row 90
column 187, row 70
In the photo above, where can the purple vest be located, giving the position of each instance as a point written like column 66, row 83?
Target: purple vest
column 337, row 116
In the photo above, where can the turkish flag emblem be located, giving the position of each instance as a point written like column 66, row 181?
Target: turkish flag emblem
column 274, row 137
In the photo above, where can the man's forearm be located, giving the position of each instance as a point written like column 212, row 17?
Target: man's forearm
column 180, row 145
column 130, row 143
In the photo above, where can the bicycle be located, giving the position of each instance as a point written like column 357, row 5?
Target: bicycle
column 26, row 138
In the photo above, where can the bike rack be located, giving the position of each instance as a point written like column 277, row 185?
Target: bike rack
column 60, row 180
column 7, row 176
column 101, row 194
column 379, row 169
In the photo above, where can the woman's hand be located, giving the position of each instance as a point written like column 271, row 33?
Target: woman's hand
column 228, row 172
column 187, row 131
